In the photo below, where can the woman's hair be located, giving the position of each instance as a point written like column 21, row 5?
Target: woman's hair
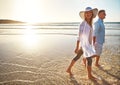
column 89, row 21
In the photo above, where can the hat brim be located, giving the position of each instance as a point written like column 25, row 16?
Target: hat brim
column 81, row 13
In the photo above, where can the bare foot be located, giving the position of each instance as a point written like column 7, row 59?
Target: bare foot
column 97, row 65
column 69, row 71
column 92, row 78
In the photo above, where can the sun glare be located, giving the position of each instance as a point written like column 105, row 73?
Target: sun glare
column 29, row 10
column 30, row 38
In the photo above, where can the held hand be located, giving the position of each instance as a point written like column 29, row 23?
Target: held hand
column 94, row 44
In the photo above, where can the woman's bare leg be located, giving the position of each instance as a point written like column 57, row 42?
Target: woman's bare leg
column 89, row 68
column 70, row 67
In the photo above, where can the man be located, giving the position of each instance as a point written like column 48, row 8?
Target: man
column 99, row 35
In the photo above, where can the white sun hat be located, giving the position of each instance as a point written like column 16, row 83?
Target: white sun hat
column 95, row 10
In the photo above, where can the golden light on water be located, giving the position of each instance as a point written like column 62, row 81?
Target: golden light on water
column 30, row 38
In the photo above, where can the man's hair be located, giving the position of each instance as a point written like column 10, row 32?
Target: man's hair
column 101, row 11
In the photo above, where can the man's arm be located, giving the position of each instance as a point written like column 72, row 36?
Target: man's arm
column 95, row 32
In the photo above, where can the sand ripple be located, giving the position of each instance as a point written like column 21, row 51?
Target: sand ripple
column 47, row 74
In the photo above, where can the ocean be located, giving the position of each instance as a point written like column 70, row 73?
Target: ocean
column 65, row 28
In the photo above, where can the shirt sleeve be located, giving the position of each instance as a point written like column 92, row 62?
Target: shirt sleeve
column 96, row 29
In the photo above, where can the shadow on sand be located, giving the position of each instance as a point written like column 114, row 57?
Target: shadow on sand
column 99, row 81
column 73, row 80
column 103, row 81
column 117, row 77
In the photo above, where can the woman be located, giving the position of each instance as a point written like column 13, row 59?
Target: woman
column 85, row 39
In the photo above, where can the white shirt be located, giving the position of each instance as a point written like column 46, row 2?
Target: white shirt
column 86, row 40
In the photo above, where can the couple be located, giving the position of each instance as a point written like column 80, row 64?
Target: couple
column 89, row 41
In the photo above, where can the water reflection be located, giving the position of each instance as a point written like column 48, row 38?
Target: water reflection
column 30, row 38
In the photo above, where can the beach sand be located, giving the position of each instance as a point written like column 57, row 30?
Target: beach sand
column 44, row 62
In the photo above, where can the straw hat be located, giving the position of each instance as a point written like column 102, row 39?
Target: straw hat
column 95, row 10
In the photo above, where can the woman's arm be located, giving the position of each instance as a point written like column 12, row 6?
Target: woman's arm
column 77, row 46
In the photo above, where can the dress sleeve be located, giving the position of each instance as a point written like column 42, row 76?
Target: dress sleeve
column 80, row 32
column 78, row 35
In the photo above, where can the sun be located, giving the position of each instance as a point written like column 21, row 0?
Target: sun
column 29, row 11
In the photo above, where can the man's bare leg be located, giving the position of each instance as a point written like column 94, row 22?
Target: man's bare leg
column 97, row 61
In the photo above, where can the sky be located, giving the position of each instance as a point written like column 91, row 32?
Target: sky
column 56, row 10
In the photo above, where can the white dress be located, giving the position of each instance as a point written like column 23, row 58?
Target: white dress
column 86, row 40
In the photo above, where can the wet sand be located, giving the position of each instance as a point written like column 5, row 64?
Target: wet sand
column 45, row 61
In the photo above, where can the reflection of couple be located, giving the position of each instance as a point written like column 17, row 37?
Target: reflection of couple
column 90, row 41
